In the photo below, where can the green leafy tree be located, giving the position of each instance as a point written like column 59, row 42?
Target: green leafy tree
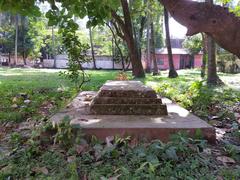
column 37, row 32
column 7, row 38
column 193, row 44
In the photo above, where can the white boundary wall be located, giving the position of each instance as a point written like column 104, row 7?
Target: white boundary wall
column 102, row 62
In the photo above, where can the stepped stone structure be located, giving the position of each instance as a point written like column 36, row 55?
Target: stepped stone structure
column 128, row 108
column 127, row 98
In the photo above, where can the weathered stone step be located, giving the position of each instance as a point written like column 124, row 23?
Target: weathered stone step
column 114, row 100
column 127, row 93
column 131, row 89
column 129, row 109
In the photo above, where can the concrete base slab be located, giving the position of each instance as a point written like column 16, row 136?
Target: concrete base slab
column 139, row 126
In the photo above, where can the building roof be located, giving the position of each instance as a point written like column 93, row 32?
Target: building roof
column 174, row 51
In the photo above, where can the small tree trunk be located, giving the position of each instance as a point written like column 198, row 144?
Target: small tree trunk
column 142, row 24
column 9, row 58
column 16, row 41
column 154, row 60
column 24, row 41
column 148, row 58
column 212, row 78
column 113, row 53
column 92, row 48
column 116, row 44
column 53, row 47
column 172, row 71
column 204, row 59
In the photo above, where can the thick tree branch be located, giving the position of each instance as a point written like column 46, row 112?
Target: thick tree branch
column 118, row 31
column 216, row 21
column 118, row 19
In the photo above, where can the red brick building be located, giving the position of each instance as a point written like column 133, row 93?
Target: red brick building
column 181, row 57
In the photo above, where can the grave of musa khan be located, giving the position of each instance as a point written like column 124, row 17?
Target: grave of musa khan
column 129, row 108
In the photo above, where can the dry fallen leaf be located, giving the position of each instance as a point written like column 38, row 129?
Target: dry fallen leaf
column 109, row 139
column 71, row 159
column 43, row 170
column 81, row 148
column 115, row 178
column 207, row 151
column 226, row 160
column 133, row 142
column 220, row 178
column 14, row 106
column 15, row 99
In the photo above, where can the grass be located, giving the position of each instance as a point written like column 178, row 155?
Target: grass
column 42, row 87
column 72, row 157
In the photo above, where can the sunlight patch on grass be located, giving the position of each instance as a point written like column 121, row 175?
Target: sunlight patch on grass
column 11, row 74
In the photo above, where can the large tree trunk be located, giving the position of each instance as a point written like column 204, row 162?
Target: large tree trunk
column 212, row 78
column 172, row 71
column 134, row 56
column 216, row 21
column 154, row 60
column 92, row 48
column 126, row 28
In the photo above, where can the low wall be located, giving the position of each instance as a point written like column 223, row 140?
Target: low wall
column 102, row 62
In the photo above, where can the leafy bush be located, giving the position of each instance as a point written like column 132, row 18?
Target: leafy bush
column 202, row 100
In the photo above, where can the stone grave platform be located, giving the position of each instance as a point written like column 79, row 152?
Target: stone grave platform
column 127, row 98
column 142, row 126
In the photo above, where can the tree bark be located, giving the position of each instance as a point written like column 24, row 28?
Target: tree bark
column 92, row 48
column 212, row 78
column 172, row 71
column 153, row 57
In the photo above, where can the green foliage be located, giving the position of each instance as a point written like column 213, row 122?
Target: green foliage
column 76, row 51
column 65, row 135
column 38, row 158
column 45, row 89
column 24, row 7
column 102, row 39
column 193, row 44
column 7, row 38
column 197, row 97
column 36, row 33
column 148, row 161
